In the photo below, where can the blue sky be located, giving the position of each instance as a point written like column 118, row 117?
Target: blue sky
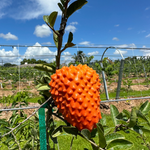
column 121, row 23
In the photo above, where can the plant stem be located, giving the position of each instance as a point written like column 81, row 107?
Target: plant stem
column 90, row 141
column 71, row 143
column 61, row 33
column 16, row 141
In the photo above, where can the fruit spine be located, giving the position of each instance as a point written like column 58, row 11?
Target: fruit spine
column 76, row 93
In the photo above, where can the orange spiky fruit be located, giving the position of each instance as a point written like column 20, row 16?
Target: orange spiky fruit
column 76, row 93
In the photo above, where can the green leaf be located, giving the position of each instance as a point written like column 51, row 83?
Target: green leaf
column 53, row 66
column 145, row 130
column 70, row 37
column 3, row 122
column 46, row 93
column 8, row 140
column 86, row 133
column 43, row 88
column 120, row 144
column 20, row 127
column 121, row 119
column 101, row 137
column 45, row 18
column 43, row 67
column 61, row 7
column 123, row 122
column 127, row 113
column 114, row 112
column 137, row 129
column 103, row 120
column 100, row 126
column 39, row 85
column 55, row 37
column 57, row 131
column 145, row 107
column 13, row 122
column 70, row 130
column 52, row 18
column 107, row 130
column 140, row 115
column 133, row 118
column 75, row 6
column 120, row 116
column 113, row 136
column 62, row 1
column 69, row 45
column 93, row 132
column 47, row 78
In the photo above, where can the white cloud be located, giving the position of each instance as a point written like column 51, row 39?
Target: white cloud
column 132, row 45
column 10, row 56
column 71, row 28
column 115, row 39
column 67, row 57
column 47, row 43
column 144, row 46
column 31, row 9
column 1, row 15
column 129, row 28
column 147, row 8
column 141, row 31
column 37, row 50
column 93, row 53
column 85, row 43
column 117, row 52
column 74, row 23
column 8, row 36
column 123, row 45
column 3, row 7
column 117, row 25
column 42, row 31
column 145, row 52
column 148, row 36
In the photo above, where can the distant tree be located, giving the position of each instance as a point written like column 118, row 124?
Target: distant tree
column 24, row 61
column 32, row 61
column 79, row 57
column 9, row 65
column 41, row 61
column 88, row 59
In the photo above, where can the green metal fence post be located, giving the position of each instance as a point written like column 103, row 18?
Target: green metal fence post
column 42, row 128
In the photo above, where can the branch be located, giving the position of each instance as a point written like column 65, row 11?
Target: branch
column 60, row 118
column 71, row 143
column 52, row 29
column 118, row 126
column 63, row 49
column 25, row 119
column 91, row 142
column 16, row 141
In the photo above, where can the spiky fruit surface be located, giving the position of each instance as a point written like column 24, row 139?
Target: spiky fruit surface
column 75, row 90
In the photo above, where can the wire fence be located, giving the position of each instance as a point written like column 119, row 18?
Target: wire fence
column 124, row 73
column 135, row 73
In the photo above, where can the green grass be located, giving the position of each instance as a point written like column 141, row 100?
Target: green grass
column 124, row 94
column 34, row 99
column 79, row 143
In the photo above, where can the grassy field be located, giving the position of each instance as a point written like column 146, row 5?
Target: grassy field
column 80, row 144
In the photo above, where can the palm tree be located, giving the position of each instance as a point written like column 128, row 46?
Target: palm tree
column 79, row 57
